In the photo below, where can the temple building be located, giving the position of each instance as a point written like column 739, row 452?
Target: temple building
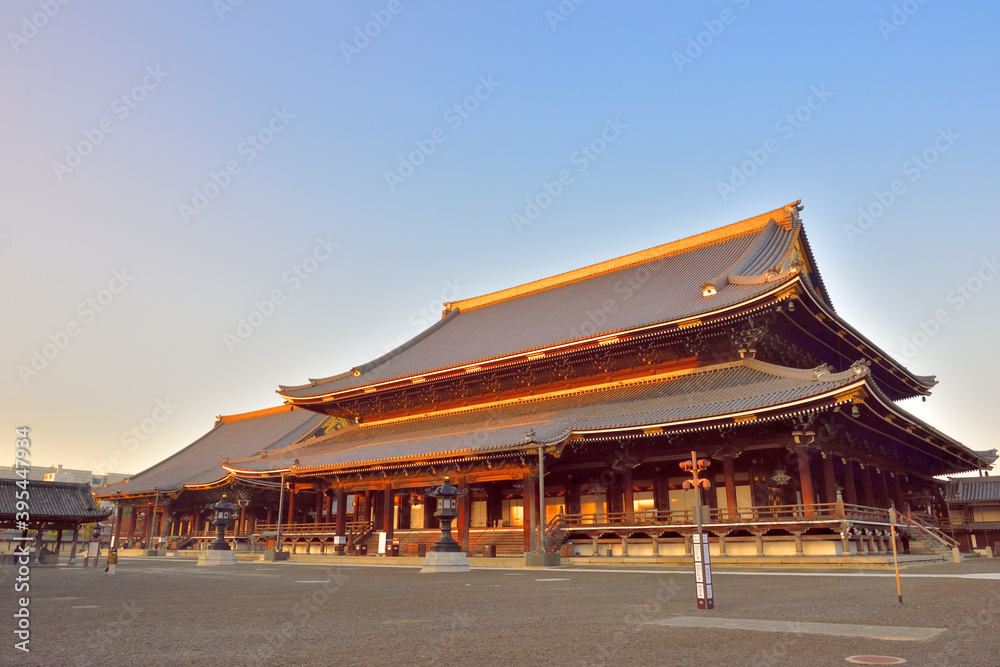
column 564, row 406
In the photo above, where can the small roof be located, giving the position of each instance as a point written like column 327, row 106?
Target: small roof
column 676, row 399
column 51, row 502
column 662, row 284
column 199, row 463
column 974, row 490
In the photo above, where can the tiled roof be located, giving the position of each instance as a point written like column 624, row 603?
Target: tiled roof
column 662, row 284
column 233, row 436
column 974, row 490
column 51, row 501
column 726, row 389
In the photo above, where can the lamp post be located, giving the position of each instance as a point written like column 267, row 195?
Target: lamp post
column 702, row 558
column 221, row 520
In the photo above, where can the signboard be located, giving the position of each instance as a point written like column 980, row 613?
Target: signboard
column 381, row 541
column 340, row 539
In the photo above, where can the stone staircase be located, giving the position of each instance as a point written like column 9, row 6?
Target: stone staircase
column 508, row 541
column 925, row 539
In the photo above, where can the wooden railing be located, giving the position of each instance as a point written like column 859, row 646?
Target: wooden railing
column 926, row 530
column 733, row 516
column 357, row 531
column 297, row 528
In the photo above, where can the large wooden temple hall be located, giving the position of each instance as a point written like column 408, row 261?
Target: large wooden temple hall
column 604, row 379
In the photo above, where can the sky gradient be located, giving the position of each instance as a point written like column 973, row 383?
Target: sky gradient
column 204, row 200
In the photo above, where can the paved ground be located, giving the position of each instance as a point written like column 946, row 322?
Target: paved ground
column 162, row 611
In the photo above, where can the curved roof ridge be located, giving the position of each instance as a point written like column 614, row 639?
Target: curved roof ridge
column 253, row 414
column 711, row 237
column 819, row 374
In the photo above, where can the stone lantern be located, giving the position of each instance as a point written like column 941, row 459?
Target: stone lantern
column 446, row 555
column 218, row 552
column 222, row 519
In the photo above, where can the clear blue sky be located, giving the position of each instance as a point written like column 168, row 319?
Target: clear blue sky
column 122, row 252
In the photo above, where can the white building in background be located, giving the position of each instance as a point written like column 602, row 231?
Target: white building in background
column 60, row 474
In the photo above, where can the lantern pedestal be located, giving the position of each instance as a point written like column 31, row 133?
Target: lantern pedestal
column 445, row 561
column 542, row 560
column 214, row 557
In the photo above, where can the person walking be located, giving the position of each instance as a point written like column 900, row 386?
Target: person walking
column 112, row 561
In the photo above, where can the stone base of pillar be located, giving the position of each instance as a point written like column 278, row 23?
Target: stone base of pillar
column 542, row 560
column 213, row 557
column 445, row 561
column 271, row 555
column 150, row 552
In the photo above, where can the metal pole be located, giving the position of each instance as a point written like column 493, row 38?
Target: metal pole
column 895, row 559
column 540, row 547
column 281, row 508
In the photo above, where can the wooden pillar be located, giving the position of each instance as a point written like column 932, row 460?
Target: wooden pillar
column 530, row 503
column 464, row 515
column 729, row 471
column 119, row 516
column 430, row 521
column 850, row 488
column 39, row 534
column 149, row 526
column 164, row 521
column 661, row 492
column 866, row 485
column 897, row 493
column 494, row 505
column 628, row 494
column 573, row 496
column 403, row 517
column 341, row 516
column 829, row 478
column 614, row 495
column 387, row 512
column 290, row 519
column 319, row 508
column 76, row 538
column 805, row 477
column 328, row 514
column 377, row 504
column 268, row 519
column 131, row 526
column 883, row 488
column 59, row 540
